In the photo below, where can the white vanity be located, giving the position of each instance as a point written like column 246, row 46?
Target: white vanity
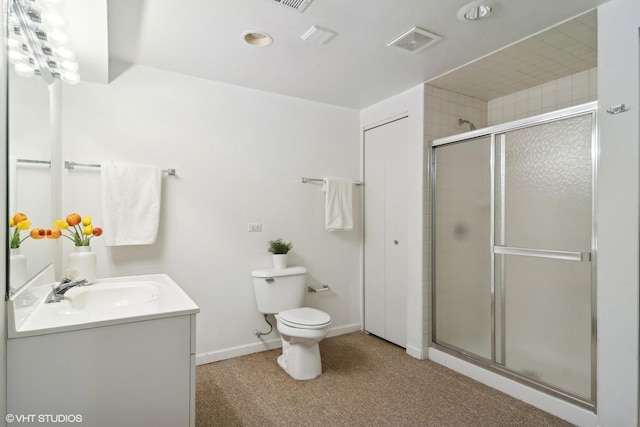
column 119, row 352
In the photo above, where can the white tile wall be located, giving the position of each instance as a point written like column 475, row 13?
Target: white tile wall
column 565, row 92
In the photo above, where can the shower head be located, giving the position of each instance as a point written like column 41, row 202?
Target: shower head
column 462, row 122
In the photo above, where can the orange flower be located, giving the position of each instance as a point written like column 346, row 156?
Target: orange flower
column 38, row 233
column 19, row 217
column 80, row 230
column 53, row 233
column 74, row 219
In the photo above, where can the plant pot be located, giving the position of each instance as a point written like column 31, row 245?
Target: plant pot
column 17, row 269
column 279, row 261
column 84, row 261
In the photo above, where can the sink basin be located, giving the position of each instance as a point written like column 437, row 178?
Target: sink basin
column 107, row 297
column 105, row 302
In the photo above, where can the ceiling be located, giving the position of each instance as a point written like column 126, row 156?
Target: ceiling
column 355, row 69
column 568, row 48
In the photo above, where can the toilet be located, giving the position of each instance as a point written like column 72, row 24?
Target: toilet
column 281, row 292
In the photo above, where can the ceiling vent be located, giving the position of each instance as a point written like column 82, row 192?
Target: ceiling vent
column 297, row 5
column 414, row 40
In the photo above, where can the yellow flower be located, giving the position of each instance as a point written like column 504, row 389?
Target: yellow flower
column 60, row 224
column 79, row 229
column 24, row 225
column 21, row 223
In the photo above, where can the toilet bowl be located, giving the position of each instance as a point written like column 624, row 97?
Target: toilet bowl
column 301, row 330
column 281, row 292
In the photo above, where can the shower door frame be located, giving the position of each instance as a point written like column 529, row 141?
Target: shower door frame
column 493, row 132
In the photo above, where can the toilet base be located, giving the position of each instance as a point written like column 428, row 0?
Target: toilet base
column 300, row 360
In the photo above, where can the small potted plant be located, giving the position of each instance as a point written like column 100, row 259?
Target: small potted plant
column 279, row 248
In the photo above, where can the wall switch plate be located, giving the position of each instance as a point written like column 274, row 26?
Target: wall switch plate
column 254, row 227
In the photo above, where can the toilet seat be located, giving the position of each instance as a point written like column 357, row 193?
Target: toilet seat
column 304, row 318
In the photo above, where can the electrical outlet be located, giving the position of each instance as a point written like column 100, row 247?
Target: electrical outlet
column 254, row 227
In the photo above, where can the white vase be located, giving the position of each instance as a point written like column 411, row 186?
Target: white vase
column 17, row 269
column 279, row 261
column 84, row 261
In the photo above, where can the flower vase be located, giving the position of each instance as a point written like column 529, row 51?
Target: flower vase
column 279, row 261
column 84, row 261
column 17, row 269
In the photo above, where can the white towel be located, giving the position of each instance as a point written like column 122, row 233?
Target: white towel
column 130, row 203
column 338, row 206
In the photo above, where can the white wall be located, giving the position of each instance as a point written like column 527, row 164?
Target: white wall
column 617, row 213
column 410, row 102
column 239, row 156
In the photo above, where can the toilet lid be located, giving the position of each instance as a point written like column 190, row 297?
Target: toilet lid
column 304, row 317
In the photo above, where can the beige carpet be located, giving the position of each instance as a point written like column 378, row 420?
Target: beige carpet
column 366, row 381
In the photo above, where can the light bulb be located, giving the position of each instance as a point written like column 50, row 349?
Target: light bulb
column 70, row 77
column 16, row 57
column 50, row 3
column 53, row 19
column 57, row 37
column 64, row 53
column 68, row 65
column 24, row 70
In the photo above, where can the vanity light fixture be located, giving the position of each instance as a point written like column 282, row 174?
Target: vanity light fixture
column 257, row 38
column 475, row 11
column 37, row 45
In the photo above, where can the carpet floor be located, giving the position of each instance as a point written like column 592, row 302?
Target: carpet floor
column 366, row 381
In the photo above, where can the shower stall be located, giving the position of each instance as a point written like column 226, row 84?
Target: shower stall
column 514, row 250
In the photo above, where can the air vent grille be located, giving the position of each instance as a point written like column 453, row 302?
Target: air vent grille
column 297, row 5
column 414, row 40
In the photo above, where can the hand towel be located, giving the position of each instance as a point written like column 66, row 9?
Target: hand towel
column 130, row 203
column 338, row 207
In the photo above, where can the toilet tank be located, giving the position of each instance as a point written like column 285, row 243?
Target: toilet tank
column 280, row 289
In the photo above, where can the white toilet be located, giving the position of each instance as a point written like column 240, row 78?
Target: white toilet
column 281, row 292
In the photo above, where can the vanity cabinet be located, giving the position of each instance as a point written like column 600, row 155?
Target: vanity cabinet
column 134, row 374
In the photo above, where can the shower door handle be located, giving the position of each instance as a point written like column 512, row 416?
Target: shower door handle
column 543, row 253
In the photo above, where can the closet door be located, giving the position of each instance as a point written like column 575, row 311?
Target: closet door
column 385, row 206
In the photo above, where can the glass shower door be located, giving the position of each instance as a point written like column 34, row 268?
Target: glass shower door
column 543, row 181
column 462, row 254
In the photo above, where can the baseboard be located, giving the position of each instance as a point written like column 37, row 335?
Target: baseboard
column 571, row 413
column 415, row 352
column 263, row 345
column 344, row 329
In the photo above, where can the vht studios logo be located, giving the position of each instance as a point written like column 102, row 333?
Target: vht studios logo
column 43, row 418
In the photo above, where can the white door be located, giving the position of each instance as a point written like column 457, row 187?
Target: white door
column 385, row 231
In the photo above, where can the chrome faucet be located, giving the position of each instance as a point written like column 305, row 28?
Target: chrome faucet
column 58, row 291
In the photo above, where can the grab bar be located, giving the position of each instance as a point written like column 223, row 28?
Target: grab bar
column 543, row 253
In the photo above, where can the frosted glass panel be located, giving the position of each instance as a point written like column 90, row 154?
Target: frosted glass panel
column 462, row 260
column 543, row 186
column 548, row 320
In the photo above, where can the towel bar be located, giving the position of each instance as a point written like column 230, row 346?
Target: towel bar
column 71, row 165
column 322, row 289
column 305, row 180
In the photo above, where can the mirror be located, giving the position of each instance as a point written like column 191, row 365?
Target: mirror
column 29, row 174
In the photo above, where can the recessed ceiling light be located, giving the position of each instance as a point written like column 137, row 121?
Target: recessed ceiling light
column 257, row 38
column 475, row 11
